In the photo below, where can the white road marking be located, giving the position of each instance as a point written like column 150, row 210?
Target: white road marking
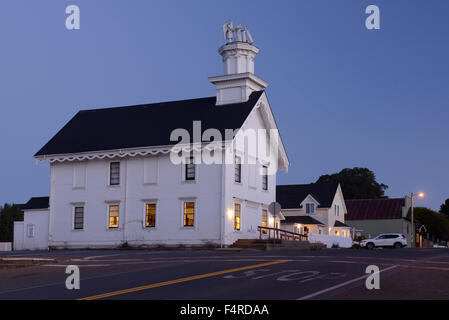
column 197, row 260
column 106, row 255
column 424, row 267
column 110, row 260
column 27, row 259
column 342, row 284
column 81, row 266
column 380, row 258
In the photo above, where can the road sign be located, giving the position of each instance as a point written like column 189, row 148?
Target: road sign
column 274, row 208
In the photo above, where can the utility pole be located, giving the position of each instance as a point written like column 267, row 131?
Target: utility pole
column 412, row 213
column 413, row 222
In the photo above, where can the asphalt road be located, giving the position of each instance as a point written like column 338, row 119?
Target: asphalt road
column 227, row 275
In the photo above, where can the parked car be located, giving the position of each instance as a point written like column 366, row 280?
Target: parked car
column 395, row 240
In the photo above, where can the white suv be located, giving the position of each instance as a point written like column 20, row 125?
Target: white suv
column 395, row 240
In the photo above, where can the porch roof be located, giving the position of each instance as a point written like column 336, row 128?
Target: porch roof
column 340, row 224
column 301, row 220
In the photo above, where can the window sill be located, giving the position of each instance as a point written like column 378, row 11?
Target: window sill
column 189, row 181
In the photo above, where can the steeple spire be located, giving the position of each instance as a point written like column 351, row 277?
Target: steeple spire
column 239, row 53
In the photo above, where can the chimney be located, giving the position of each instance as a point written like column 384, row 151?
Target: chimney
column 238, row 81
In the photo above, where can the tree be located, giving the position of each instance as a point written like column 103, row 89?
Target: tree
column 444, row 209
column 436, row 223
column 9, row 214
column 357, row 183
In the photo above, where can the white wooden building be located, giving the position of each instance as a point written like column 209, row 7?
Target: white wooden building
column 316, row 209
column 113, row 180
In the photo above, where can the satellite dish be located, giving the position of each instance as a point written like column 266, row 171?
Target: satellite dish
column 274, row 208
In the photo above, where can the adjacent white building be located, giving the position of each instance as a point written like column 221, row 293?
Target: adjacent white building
column 32, row 232
column 115, row 179
column 316, row 209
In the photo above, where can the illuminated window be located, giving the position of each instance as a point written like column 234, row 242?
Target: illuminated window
column 113, row 216
column 114, row 173
column 265, row 178
column 337, row 233
column 264, row 220
column 237, row 216
column 189, row 213
column 190, row 169
column 150, row 215
column 238, row 169
column 78, row 219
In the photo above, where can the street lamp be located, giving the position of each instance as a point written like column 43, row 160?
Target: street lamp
column 419, row 195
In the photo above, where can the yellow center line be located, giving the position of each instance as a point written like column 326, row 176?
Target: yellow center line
column 166, row 283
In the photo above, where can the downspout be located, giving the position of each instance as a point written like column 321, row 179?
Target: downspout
column 125, row 205
column 223, row 201
column 51, row 208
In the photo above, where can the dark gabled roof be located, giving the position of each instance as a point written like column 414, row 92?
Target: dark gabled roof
column 36, row 203
column 372, row 209
column 290, row 196
column 301, row 220
column 144, row 125
column 340, row 224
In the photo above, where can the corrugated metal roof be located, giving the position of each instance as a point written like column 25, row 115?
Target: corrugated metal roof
column 371, row 209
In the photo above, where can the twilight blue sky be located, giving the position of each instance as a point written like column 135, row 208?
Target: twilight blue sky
column 343, row 96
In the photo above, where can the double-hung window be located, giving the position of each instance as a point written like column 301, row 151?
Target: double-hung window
column 264, row 220
column 78, row 218
column 237, row 216
column 189, row 214
column 310, row 208
column 190, row 169
column 113, row 216
column 150, row 215
column 264, row 178
column 337, row 210
column 114, row 173
column 238, row 169
column 30, row 230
